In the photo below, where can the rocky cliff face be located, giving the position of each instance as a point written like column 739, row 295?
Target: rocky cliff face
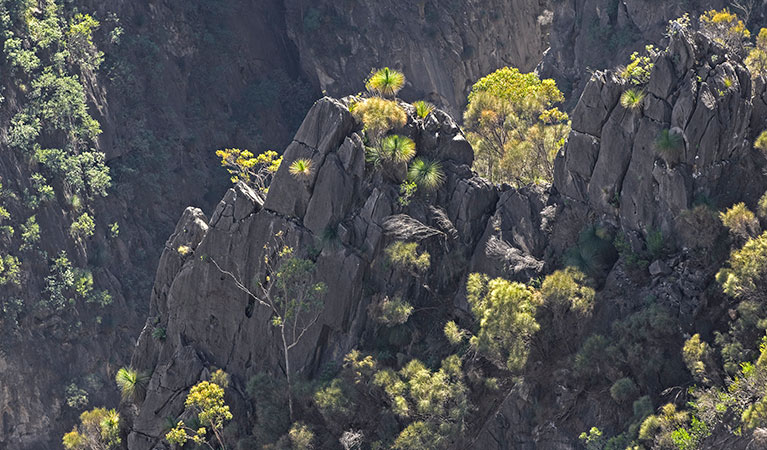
column 185, row 79
column 442, row 47
column 609, row 175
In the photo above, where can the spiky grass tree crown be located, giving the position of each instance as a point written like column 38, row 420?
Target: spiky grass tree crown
column 131, row 382
column 301, row 168
column 425, row 173
column 669, row 145
column 385, row 82
column 423, row 108
column 632, row 98
column 397, row 148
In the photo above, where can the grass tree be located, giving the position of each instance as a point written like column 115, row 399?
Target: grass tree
column 426, row 174
column 632, row 98
column 423, row 109
column 131, row 382
column 290, row 291
column 301, row 168
column 385, row 82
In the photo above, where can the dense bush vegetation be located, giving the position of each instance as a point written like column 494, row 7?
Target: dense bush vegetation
column 514, row 127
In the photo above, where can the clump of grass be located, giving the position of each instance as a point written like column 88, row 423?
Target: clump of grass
column 632, row 98
column 426, row 174
column 423, row 108
column 301, row 168
column 669, row 146
column 385, row 82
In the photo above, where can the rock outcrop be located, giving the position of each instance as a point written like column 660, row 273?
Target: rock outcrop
column 614, row 162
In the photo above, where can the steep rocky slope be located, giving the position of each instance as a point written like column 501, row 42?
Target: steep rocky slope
column 610, row 181
column 182, row 80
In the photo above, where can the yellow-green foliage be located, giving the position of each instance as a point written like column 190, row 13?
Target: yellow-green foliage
column 99, row 429
column 696, row 354
column 83, row 227
column 632, row 98
column 242, row 165
column 386, row 82
column 638, row 71
column 514, row 127
column 10, row 270
column 206, row 400
column 301, row 168
column 396, row 148
column 405, row 256
column 393, row 312
column 505, row 312
column 453, row 333
column 761, row 141
column 378, row 116
column 426, row 174
column 437, row 400
column 567, row 288
column 659, row 428
column 740, row 220
column 301, row 437
column 725, row 28
column 746, row 269
column 757, row 57
column 423, row 108
column 131, row 382
column 761, row 207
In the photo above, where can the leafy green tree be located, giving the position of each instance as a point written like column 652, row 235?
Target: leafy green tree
column 82, row 228
column 741, row 222
column 514, row 127
column 256, row 171
column 756, row 61
column 206, row 400
column 505, row 312
column 291, row 293
column 99, row 429
column 725, row 28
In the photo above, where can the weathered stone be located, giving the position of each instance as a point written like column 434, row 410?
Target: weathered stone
column 659, row 268
column 332, row 196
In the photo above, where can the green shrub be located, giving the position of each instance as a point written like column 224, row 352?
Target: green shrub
column 725, row 28
column 76, row 398
column 453, row 333
column 505, row 312
column 30, row 234
column 10, row 271
column 301, row 437
column 82, row 228
column 393, row 312
column 567, row 289
column 756, row 61
column 741, row 222
column 638, row 71
column 624, row 390
column 405, row 256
